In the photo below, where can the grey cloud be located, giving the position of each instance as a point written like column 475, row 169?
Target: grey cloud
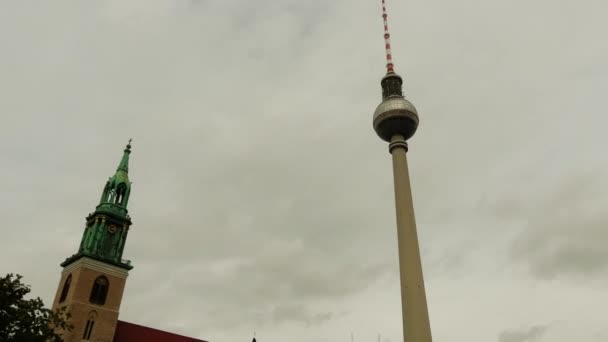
column 565, row 231
column 297, row 313
column 601, row 335
column 283, row 280
column 261, row 195
column 529, row 335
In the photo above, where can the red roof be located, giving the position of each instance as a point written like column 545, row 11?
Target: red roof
column 129, row 332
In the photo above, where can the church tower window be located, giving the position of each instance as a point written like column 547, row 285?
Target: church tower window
column 111, row 196
column 66, row 289
column 120, row 194
column 88, row 329
column 99, row 291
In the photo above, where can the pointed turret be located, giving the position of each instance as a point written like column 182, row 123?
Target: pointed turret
column 124, row 162
column 115, row 196
column 106, row 229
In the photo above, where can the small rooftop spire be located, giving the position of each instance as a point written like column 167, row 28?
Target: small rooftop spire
column 124, row 163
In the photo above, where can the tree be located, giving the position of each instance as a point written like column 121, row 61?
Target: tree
column 27, row 320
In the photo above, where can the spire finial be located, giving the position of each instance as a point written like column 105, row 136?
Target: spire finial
column 124, row 163
column 387, row 40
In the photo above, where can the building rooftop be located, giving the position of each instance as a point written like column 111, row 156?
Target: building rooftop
column 129, row 332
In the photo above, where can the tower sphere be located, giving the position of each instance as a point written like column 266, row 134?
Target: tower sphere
column 395, row 115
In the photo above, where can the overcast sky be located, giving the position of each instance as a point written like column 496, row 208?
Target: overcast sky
column 262, row 199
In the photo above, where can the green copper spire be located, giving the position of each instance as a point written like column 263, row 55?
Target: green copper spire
column 115, row 195
column 106, row 231
column 124, row 163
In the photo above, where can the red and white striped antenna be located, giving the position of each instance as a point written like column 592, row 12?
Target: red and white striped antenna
column 387, row 40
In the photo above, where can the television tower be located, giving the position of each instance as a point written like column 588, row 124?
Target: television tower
column 395, row 121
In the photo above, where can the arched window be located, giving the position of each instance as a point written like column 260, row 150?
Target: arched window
column 121, row 193
column 66, row 289
column 104, row 194
column 99, row 291
column 88, row 328
column 111, row 196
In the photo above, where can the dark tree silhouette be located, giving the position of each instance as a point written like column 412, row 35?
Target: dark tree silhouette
column 27, row 320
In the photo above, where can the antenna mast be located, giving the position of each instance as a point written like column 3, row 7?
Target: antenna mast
column 387, row 41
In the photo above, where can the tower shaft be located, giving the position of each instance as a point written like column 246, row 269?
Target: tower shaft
column 416, row 325
column 395, row 121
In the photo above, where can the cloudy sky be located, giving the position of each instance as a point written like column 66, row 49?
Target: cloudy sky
column 262, row 199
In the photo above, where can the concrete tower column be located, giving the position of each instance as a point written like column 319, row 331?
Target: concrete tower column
column 416, row 325
column 395, row 121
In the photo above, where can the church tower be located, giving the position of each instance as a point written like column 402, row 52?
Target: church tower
column 93, row 279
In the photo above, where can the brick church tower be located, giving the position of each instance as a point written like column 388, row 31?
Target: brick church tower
column 93, row 280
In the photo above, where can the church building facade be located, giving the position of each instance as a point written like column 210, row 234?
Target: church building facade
column 93, row 280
